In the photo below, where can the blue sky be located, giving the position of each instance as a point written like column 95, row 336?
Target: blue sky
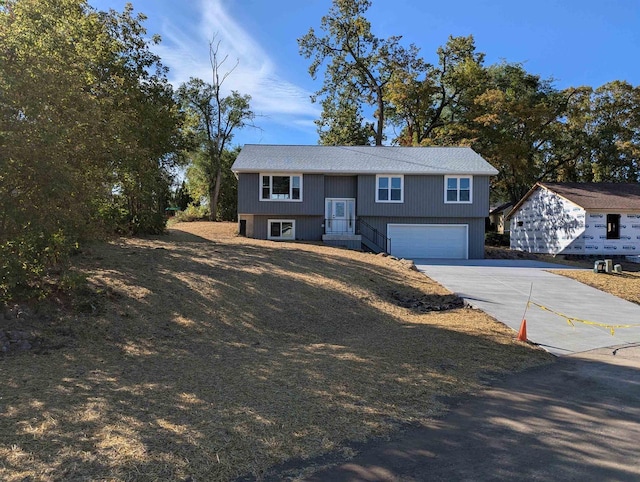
column 575, row 42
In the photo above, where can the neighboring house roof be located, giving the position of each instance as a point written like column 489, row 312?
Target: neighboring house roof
column 501, row 208
column 592, row 196
column 361, row 160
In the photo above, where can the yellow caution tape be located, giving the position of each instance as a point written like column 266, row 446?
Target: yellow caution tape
column 570, row 320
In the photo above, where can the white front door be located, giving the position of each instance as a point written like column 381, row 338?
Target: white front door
column 340, row 216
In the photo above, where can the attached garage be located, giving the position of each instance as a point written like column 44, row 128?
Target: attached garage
column 447, row 241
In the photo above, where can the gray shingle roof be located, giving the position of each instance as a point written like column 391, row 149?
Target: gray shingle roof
column 361, row 160
column 598, row 195
column 591, row 196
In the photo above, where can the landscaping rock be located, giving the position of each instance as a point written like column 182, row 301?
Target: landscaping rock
column 426, row 303
column 15, row 341
column 409, row 264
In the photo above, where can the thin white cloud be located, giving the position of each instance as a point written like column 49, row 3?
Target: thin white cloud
column 186, row 53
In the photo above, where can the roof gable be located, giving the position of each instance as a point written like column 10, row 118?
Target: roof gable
column 361, row 160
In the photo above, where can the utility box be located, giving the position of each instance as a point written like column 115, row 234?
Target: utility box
column 608, row 266
column 598, row 266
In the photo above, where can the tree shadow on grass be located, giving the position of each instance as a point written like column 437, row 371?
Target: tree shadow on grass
column 575, row 420
column 221, row 358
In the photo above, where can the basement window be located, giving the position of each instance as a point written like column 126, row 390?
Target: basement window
column 613, row 226
column 281, row 229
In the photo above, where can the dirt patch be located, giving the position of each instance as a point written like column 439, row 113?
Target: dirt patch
column 204, row 355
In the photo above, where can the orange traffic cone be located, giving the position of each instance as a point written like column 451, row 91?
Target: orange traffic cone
column 522, row 334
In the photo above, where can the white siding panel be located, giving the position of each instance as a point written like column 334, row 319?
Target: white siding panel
column 548, row 223
column 448, row 241
column 595, row 235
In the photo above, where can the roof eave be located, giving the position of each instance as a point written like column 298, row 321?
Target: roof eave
column 380, row 171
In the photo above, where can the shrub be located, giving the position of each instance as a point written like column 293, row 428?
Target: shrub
column 193, row 213
column 496, row 239
column 25, row 260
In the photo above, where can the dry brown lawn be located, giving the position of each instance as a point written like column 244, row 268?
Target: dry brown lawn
column 203, row 355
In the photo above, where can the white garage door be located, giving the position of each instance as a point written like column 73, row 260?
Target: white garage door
column 429, row 240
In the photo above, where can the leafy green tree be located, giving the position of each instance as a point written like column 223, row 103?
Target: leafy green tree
column 612, row 122
column 227, row 207
column 182, row 198
column 359, row 66
column 214, row 119
column 228, row 202
column 87, row 127
column 342, row 122
column 427, row 102
column 518, row 126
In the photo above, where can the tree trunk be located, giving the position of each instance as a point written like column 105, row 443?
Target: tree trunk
column 213, row 202
column 380, row 126
column 214, row 194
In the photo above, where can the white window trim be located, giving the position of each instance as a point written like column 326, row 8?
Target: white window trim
column 401, row 176
column 280, row 238
column 278, row 174
column 458, row 177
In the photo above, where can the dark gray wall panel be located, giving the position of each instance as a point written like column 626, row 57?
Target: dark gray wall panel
column 341, row 186
column 308, row 228
column 312, row 197
column 423, row 196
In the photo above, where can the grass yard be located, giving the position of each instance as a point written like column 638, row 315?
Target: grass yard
column 203, row 355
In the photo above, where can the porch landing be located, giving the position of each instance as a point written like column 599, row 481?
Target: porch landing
column 349, row 241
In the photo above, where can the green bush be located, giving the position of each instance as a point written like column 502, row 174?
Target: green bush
column 192, row 213
column 496, row 239
column 116, row 217
column 25, row 260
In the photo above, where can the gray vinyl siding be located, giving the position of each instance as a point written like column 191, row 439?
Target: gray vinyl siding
column 476, row 228
column 312, row 197
column 341, row 186
column 424, row 197
column 308, row 228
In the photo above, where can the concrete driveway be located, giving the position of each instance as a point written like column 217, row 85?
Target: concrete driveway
column 501, row 288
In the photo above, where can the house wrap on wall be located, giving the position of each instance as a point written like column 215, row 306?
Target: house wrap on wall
column 578, row 218
column 412, row 202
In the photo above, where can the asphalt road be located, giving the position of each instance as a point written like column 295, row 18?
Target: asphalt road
column 577, row 419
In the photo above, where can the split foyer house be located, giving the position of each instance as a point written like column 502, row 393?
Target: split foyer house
column 412, row 202
column 578, row 218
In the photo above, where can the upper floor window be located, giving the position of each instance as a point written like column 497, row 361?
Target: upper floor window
column 458, row 189
column 389, row 189
column 280, row 187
